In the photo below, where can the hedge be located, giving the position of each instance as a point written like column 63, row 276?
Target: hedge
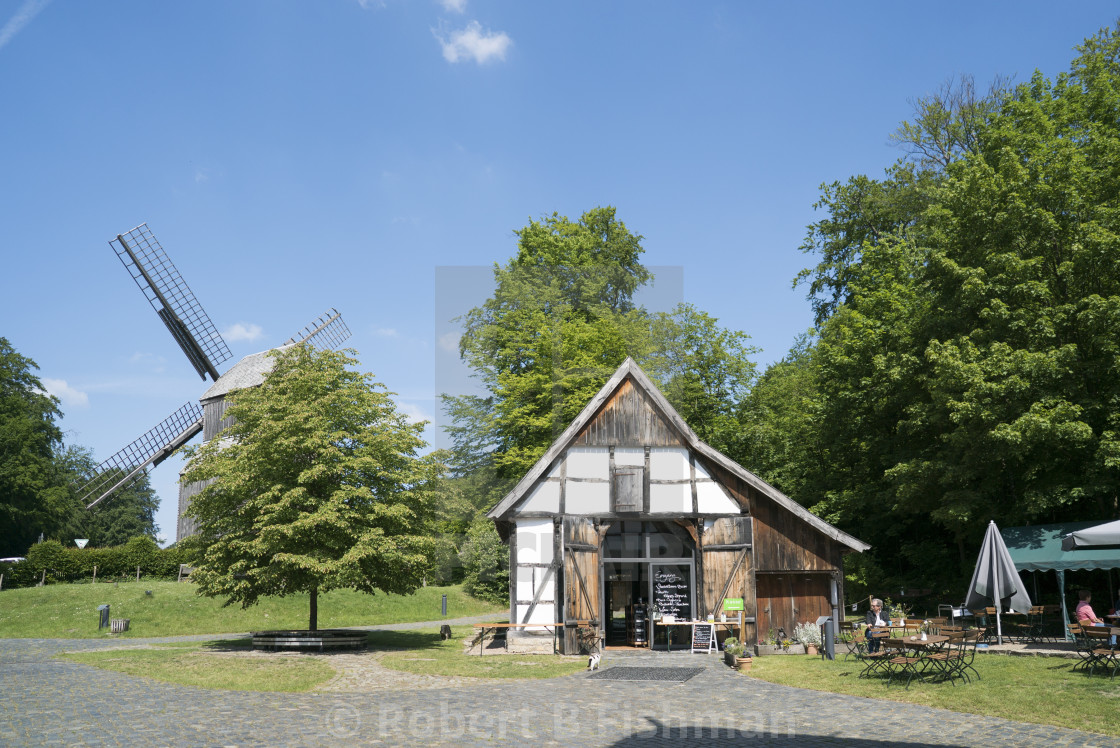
column 67, row 564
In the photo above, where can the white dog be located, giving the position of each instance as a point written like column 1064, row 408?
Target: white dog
column 593, row 661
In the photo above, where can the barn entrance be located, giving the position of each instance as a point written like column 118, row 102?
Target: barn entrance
column 648, row 572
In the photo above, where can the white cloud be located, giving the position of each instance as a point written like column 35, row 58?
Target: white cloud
column 449, row 342
column 386, row 332
column 475, row 43
column 23, row 16
column 413, row 412
column 67, row 394
column 454, row 6
column 242, row 331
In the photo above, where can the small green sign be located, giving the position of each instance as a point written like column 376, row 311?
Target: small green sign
column 733, row 603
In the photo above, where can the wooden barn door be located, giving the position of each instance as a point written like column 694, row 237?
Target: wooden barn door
column 581, row 579
column 725, row 564
column 784, row 600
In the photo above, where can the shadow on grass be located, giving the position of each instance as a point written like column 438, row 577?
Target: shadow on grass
column 409, row 639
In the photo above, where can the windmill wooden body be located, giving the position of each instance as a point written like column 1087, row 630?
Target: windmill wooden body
column 179, row 310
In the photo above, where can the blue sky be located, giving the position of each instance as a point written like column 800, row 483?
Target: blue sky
column 377, row 156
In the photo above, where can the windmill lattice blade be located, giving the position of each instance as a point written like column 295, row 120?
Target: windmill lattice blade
column 329, row 331
column 120, row 470
column 172, row 299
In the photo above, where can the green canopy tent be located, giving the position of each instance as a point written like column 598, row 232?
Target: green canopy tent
column 1039, row 548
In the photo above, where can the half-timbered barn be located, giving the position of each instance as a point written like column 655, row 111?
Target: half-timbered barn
column 629, row 519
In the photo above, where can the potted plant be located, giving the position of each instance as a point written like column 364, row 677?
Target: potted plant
column 734, row 654
column 808, row 634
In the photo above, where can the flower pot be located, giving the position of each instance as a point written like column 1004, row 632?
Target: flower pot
column 811, row 649
column 743, row 664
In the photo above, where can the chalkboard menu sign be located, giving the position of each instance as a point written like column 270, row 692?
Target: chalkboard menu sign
column 703, row 635
column 671, row 593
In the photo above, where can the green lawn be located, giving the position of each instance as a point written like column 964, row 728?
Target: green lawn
column 224, row 664
column 1042, row 690
column 174, row 609
column 423, row 652
column 213, row 665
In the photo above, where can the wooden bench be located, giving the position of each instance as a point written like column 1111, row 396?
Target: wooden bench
column 588, row 632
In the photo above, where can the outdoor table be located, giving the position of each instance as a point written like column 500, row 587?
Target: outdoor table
column 669, row 632
column 921, row 648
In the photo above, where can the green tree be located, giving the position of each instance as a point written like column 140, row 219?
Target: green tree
column 561, row 320
column 317, row 485
column 966, row 366
column 704, row 370
column 33, row 494
column 128, row 513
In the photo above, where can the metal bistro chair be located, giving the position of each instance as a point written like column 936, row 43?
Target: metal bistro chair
column 901, row 661
column 1108, row 656
column 875, row 662
column 1084, row 646
column 849, row 637
column 1098, row 649
column 967, row 656
column 943, row 661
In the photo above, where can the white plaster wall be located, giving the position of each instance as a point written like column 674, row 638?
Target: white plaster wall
column 534, row 541
column 587, row 498
column 543, row 613
column 669, row 463
column 629, row 457
column 700, row 471
column 545, row 497
column 589, row 462
column 670, row 497
column 710, row 497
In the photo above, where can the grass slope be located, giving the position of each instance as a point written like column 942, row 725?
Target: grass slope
column 69, row 611
column 1042, row 690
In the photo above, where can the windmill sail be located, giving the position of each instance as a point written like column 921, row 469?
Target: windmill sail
column 120, row 470
column 329, row 331
column 172, row 299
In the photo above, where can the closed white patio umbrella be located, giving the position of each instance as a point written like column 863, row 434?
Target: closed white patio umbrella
column 996, row 580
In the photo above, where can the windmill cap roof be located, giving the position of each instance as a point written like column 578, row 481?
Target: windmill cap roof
column 248, row 372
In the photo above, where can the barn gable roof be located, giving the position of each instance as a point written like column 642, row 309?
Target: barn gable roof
column 629, row 370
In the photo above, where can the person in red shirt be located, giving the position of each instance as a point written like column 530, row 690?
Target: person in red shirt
column 1084, row 610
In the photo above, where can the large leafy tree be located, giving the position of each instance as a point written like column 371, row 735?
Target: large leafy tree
column 966, row 364
column 34, row 498
column 561, row 319
column 128, row 513
column 317, row 485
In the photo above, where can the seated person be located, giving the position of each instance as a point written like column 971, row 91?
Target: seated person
column 1086, row 616
column 875, row 617
column 1084, row 611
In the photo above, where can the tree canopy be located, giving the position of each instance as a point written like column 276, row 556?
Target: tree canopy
column 316, row 485
column 34, row 497
column 965, row 365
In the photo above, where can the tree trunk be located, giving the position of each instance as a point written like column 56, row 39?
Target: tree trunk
column 314, row 624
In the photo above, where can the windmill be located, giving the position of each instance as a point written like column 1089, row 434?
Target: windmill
column 176, row 305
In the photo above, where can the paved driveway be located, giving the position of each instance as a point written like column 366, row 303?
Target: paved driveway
column 52, row 702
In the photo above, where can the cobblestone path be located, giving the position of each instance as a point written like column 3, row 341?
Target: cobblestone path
column 44, row 701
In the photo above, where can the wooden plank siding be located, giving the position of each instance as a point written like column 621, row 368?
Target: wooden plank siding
column 628, row 419
column 725, row 568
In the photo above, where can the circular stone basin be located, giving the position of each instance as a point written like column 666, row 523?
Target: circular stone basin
column 309, row 640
